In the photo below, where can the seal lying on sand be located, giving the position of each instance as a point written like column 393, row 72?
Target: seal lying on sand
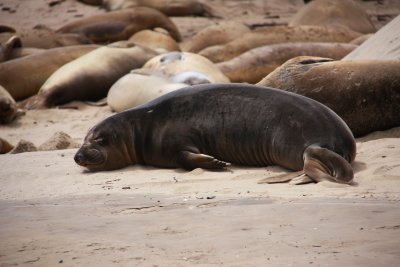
column 257, row 63
column 364, row 93
column 175, row 63
column 120, row 25
column 206, row 126
column 90, row 76
column 24, row 76
column 168, row 7
column 346, row 13
column 275, row 35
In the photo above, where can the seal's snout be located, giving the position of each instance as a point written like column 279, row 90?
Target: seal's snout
column 78, row 158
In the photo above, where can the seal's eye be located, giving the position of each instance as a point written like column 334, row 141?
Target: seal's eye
column 101, row 141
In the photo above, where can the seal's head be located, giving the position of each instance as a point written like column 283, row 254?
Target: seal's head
column 106, row 147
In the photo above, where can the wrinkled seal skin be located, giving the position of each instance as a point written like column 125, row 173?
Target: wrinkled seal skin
column 207, row 126
column 36, row 69
column 90, row 76
column 364, row 93
column 120, row 25
column 257, row 63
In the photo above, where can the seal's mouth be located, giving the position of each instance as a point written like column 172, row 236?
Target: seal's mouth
column 89, row 158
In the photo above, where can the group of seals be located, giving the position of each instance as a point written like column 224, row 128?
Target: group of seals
column 209, row 126
column 87, row 77
column 365, row 93
column 37, row 68
column 275, row 35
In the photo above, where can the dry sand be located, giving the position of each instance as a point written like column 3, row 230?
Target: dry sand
column 52, row 212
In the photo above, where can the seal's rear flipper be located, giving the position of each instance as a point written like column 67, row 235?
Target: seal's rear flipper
column 283, row 178
column 323, row 164
column 190, row 160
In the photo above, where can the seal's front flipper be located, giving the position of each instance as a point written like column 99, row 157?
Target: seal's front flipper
column 190, row 160
column 283, row 178
column 323, row 164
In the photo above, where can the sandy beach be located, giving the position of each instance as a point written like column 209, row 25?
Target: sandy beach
column 55, row 213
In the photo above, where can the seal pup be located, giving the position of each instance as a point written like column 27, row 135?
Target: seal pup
column 346, row 13
column 364, row 93
column 211, row 125
column 24, row 76
column 155, row 40
column 257, row 63
column 217, row 34
column 173, row 63
column 275, row 35
column 138, row 87
column 168, row 7
column 120, row 25
column 87, row 77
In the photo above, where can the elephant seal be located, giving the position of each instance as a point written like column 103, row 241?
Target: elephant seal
column 24, row 76
column 220, row 33
column 275, row 35
column 365, row 93
column 209, row 125
column 8, row 107
column 120, row 25
column 42, row 37
column 346, row 13
column 138, row 87
column 384, row 44
column 90, row 76
column 157, row 41
column 173, row 63
column 168, row 7
column 257, row 63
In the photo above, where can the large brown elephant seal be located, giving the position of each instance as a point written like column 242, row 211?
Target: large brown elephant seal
column 120, row 25
column 138, row 87
column 168, row 7
column 334, row 12
column 275, row 35
column 207, row 126
column 24, row 76
column 90, row 76
column 384, row 44
column 365, row 93
column 174, row 63
column 42, row 37
column 220, row 33
column 157, row 41
column 257, row 63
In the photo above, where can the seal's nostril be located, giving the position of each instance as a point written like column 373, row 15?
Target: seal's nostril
column 78, row 158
